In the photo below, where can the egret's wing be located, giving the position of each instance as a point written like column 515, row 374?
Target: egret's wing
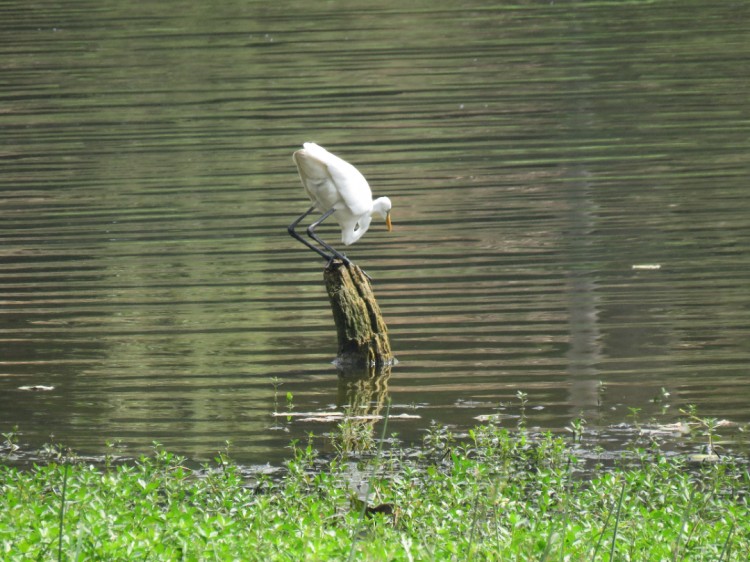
column 350, row 184
column 316, row 180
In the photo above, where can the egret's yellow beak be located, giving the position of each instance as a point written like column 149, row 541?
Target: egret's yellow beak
column 388, row 224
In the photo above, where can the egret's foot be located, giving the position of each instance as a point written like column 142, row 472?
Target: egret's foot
column 345, row 262
column 333, row 259
column 348, row 262
column 364, row 273
column 335, row 262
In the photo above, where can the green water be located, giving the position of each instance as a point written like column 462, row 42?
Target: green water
column 535, row 152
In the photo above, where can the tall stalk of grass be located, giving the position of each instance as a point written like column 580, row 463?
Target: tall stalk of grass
column 548, row 546
column 617, row 523
column 476, row 514
column 726, row 548
column 62, row 512
column 601, row 535
column 685, row 517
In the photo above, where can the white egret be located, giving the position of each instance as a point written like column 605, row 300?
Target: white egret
column 336, row 188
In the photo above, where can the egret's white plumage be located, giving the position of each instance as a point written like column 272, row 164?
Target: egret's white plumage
column 333, row 183
column 336, row 188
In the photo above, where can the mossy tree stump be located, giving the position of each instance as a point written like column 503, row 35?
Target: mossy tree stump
column 361, row 330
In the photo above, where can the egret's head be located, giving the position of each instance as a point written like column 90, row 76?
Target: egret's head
column 382, row 207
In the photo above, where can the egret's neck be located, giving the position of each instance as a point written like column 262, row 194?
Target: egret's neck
column 354, row 230
column 381, row 206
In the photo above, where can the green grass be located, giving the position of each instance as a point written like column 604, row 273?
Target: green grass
column 498, row 495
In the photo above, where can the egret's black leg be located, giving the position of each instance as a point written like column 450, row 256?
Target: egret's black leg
column 311, row 234
column 294, row 234
column 342, row 257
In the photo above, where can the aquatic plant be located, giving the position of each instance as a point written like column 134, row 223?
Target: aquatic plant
column 500, row 494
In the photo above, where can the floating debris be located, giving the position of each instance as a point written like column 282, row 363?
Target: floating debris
column 646, row 266
column 703, row 458
column 36, row 387
column 680, row 427
column 335, row 416
column 490, row 417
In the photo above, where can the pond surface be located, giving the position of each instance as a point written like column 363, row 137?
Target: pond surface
column 571, row 213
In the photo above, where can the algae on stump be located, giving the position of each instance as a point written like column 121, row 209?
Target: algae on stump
column 362, row 333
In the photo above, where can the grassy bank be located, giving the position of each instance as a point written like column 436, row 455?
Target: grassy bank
column 497, row 496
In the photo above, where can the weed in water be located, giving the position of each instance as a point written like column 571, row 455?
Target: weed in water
column 523, row 398
column 276, row 382
column 352, row 436
column 437, row 441
column 634, row 416
column 707, row 427
column 10, row 442
column 601, row 389
column 576, row 427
